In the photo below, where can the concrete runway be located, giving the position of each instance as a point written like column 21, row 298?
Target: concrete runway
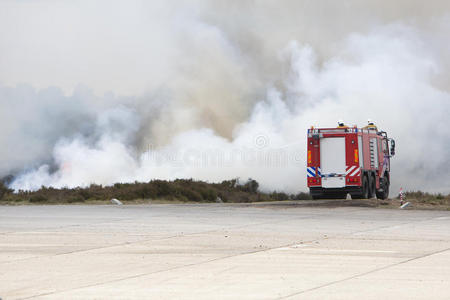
column 221, row 251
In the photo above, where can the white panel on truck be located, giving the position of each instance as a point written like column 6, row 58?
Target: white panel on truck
column 360, row 152
column 332, row 162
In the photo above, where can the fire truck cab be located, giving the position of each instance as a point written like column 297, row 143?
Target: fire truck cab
column 349, row 160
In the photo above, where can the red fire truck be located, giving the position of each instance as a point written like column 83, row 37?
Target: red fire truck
column 349, row 160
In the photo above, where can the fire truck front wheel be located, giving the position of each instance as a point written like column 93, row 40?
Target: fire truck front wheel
column 384, row 185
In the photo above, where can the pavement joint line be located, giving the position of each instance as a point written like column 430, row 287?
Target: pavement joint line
column 210, row 231
column 149, row 240
column 396, row 225
column 344, row 250
column 190, row 234
column 397, row 239
column 193, row 264
column 238, row 254
column 364, row 273
column 112, row 220
column 165, row 270
column 178, row 267
column 67, row 226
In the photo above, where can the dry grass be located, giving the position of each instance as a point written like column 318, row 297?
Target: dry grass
column 423, row 200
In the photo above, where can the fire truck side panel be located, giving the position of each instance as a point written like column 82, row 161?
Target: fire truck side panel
column 361, row 152
column 350, row 144
column 313, row 162
column 365, row 139
column 353, row 170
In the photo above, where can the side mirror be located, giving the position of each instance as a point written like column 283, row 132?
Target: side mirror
column 392, row 147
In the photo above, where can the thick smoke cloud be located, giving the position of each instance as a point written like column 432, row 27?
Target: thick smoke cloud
column 234, row 88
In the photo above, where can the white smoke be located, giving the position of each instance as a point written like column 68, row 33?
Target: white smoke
column 239, row 106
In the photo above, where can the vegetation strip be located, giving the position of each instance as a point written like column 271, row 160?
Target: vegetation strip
column 180, row 190
column 189, row 190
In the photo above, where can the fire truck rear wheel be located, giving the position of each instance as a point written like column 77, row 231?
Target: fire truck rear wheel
column 372, row 187
column 365, row 188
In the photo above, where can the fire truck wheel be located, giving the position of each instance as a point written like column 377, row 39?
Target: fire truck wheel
column 386, row 190
column 365, row 188
column 372, row 186
column 384, row 184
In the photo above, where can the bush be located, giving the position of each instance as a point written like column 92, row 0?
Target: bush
column 301, row 196
column 251, row 186
column 75, row 198
column 148, row 191
column 279, row 196
column 85, row 194
column 163, row 188
column 231, row 184
column 208, row 194
column 37, row 198
column 191, row 195
column 12, row 198
column 4, row 190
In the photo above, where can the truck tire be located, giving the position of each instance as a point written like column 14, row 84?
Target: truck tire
column 372, row 187
column 384, row 185
column 365, row 188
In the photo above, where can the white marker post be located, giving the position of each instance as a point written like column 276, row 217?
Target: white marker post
column 401, row 196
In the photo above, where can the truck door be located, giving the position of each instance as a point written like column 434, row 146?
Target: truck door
column 332, row 158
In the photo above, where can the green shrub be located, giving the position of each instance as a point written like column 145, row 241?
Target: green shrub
column 251, row 186
column 148, row 191
column 12, row 198
column 75, row 198
column 301, row 196
column 279, row 196
column 163, row 188
column 37, row 198
column 85, row 194
column 4, row 190
column 208, row 194
column 191, row 195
